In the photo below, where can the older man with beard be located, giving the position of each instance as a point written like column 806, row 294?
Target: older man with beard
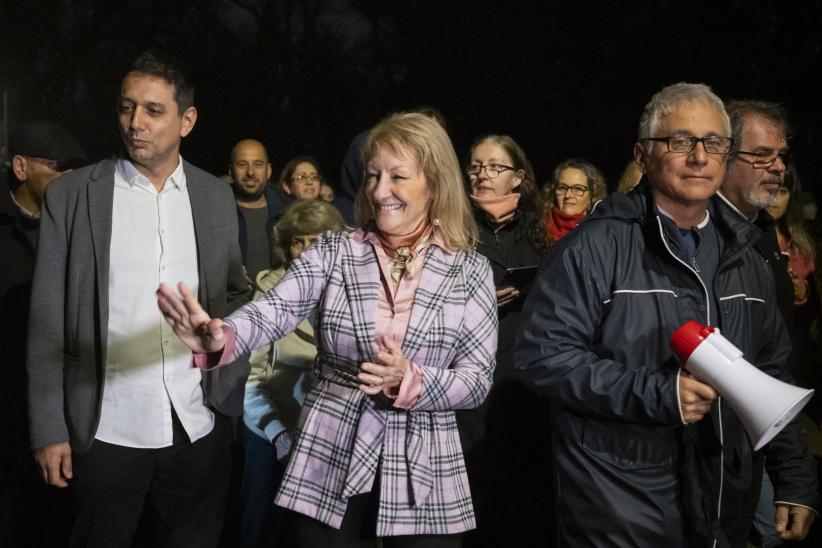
column 756, row 169
column 258, row 205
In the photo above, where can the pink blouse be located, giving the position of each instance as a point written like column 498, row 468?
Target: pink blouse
column 392, row 317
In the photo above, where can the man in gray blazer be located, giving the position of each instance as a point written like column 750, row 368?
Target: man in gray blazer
column 117, row 414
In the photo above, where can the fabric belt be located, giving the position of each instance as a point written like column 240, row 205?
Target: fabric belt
column 373, row 421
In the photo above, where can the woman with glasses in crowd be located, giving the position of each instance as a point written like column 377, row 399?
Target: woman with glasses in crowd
column 507, row 207
column 406, row 333
column 301, row 177
column 576, row 187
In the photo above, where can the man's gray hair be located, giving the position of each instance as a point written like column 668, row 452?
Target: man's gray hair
column 668, row 98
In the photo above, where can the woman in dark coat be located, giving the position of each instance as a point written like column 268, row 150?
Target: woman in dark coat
column 507, row 460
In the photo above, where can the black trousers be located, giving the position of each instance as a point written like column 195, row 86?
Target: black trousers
column 186, row 484
column 358, row 530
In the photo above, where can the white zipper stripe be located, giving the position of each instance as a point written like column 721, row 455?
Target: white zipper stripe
column 742, row 295
column 643, row 291
column 704, row 287
column 639, row 291
column 719, row 399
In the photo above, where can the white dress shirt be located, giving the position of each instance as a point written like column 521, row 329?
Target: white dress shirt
column 148, row 369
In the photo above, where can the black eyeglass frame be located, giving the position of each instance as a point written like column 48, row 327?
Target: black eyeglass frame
column 500, row 169
column 693, row 140
column 573, row 189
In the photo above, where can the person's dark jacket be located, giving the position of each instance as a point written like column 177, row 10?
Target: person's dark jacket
column 513, row 245
column 351, row 177
column 276, row 202
column 768, row 246
column 24, row 497
column 507, row 464
column 17, row 247
column 595, row 340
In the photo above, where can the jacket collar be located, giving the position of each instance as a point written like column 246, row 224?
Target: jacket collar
column 638, row 206
column 361, row 274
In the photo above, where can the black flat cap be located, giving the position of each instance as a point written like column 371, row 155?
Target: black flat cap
column 46, row 140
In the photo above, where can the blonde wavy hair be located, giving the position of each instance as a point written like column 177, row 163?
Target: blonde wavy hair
column 422, row 137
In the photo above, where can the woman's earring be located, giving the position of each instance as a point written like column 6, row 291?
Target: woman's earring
column 435, row 222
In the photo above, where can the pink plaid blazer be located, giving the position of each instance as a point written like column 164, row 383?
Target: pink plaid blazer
column 344, row 436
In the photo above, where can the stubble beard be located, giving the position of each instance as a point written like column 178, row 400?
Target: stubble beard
column 245, row 196
column 759, row 197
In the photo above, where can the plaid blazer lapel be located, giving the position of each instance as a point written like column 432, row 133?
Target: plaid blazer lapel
column 439, row 273
column 361, row 277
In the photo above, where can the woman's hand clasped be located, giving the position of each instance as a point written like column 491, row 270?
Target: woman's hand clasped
column 199, row 331
column 387, row 373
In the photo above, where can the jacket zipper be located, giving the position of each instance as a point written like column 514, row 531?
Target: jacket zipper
column 719, row 400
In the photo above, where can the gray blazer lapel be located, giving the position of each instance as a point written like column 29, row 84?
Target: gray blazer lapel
column 437, row 279
column 361, row 276
column 200, row 211
column 100, row 194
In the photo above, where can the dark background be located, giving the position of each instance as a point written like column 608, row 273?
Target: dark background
column 563, row 78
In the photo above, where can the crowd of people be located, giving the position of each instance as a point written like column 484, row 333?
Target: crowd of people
column 429, row 353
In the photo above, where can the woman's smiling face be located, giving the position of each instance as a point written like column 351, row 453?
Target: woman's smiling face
column 397, row 190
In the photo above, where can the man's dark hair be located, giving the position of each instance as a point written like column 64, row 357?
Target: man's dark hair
column 161, row 64
column 741, row 110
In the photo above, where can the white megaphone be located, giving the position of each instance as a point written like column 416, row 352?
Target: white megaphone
column 765, row 405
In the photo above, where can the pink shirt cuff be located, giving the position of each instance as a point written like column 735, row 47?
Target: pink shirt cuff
column 213, row 360
column 409, row 390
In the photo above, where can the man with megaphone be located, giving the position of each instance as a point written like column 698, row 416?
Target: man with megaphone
column 644, row 453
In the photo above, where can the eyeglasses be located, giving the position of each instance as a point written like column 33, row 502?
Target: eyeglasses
column 762, row 160
column 304, row 177
column 493, row 170
column 575, row 190
column 714, row 144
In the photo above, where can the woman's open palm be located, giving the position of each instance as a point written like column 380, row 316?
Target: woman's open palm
column 199, row 331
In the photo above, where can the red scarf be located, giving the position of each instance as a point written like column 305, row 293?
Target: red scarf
column 560, row 224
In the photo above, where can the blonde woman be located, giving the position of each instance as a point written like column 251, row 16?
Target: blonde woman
column 406, row 333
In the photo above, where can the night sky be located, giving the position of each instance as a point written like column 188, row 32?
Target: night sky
column 562, row 78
